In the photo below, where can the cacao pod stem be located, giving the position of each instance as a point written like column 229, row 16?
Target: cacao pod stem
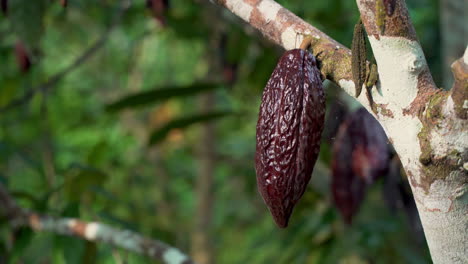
column 306, row 42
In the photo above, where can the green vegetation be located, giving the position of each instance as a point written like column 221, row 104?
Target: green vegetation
column 110, row 140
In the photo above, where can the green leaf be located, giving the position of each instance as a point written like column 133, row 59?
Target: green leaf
column 184, row 122
column 81, row 182
column 24, row 195
column 8, row 91
column 237, row 45
column 27, row 20
column 90, row 253
column 180, row 20
column 72, row 248
column 262, row 67
column 157, row 95
column 23, row 237
column 114, row 220
column 72, row 209
column 3, row 179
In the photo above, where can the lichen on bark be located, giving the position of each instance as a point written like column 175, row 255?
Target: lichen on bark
column 436, row 167
column 380, row 15
column 358, row 57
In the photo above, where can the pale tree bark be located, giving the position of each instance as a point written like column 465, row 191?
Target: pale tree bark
column 427, row 126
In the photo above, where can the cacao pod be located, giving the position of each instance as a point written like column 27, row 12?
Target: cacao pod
column 158, row 9
column 289, row 128
column 22, row 57
column 4, row 6
column 360, row 155
column 230, row 67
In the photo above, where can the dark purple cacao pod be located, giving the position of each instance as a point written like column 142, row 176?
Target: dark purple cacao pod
column 22, row 57
column 360, row 155
column 4, row 6
column 289, row 128
column 229, row 68
column 158, row 9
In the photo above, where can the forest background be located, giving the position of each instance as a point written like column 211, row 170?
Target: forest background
column 92, row 127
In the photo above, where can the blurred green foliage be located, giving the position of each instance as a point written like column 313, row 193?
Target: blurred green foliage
column 62, row 153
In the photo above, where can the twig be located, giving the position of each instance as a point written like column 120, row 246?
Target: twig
column 459, row 91
column 91, row 231
column 88, row 53
column 287, row 30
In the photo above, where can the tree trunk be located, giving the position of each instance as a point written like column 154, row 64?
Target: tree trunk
column 427, row 126
column 202, row 251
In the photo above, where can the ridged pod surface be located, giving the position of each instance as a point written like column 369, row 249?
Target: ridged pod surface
column 289, row 128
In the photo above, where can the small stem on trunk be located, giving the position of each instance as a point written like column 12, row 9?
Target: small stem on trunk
column 306, row 43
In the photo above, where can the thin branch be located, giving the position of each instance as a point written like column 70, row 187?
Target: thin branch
column 91, row 231
column 287, row 30
column 459, row 91
column 87, row 54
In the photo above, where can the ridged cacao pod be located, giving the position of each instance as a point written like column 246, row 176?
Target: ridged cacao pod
column 290, row 124
column 360, row 155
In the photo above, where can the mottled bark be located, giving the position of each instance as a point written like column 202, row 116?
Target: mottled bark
column 424, row 123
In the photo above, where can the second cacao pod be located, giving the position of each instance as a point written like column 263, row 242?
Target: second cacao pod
column 360, row 155
column 289, row 129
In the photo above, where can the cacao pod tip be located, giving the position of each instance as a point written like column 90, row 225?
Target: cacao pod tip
column 348, row 219
column 281, row 222
column 281, row 216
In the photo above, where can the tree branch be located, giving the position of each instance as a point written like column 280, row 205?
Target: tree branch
column 91, row 231
column 287, row 30
column 399, row 56
column 459, row 92
column 418, row 118
column 405, row 84
column 87, row 54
